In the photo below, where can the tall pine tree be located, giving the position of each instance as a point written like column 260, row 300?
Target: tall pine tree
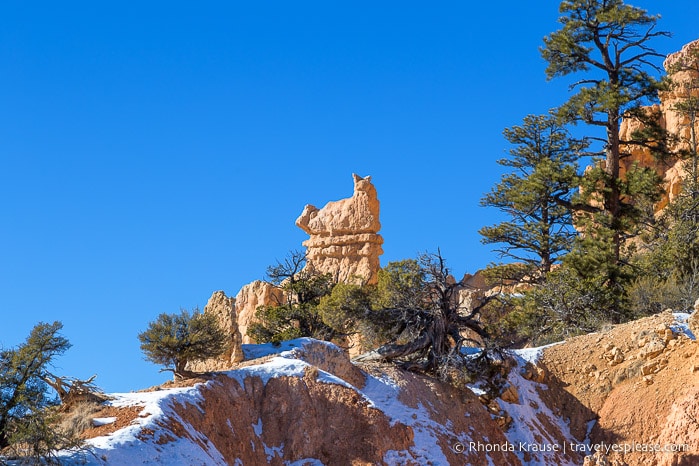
column 608, row 42
column 536, row 197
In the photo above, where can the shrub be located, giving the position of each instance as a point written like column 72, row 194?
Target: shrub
column 173, row 340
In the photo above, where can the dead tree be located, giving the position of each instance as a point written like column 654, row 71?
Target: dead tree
column 435, row 332
column 72, row 391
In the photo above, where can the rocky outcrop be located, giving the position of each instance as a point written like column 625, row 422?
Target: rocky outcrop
column 223, row 308
column 311, row 406
column 344, row 243
column 670, row 119
column 344, row 240
column 249, row 298
column 625, row 392
column 632, row 388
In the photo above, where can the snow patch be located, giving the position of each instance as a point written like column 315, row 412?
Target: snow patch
column 133, row 445
column 305, row 462
column 103, row 421
column 268, row 349
column 383, row 393
column 526, row 426
column 681, row 324
column 532, row 355
column 257, row 428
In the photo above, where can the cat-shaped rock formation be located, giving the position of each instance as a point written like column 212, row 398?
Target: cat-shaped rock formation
column 344, row 240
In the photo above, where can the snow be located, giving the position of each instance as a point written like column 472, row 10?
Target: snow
column 125, row 447
column 681, row 326
column 103, row 421
column 305, row 462
column 532, row 355
column 268, row 349
column 526, row 426
column 476, row 389
column 381, row 392
column 257, row 428
column 275, row 367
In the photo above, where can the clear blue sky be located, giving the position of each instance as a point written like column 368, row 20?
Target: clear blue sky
column 154, row 152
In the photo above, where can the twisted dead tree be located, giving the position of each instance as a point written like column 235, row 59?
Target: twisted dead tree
column 430, row 337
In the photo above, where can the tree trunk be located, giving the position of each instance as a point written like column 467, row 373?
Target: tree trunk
column 613, row 196
column 4, row 441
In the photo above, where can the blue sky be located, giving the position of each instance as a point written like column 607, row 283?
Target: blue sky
column 154, row 152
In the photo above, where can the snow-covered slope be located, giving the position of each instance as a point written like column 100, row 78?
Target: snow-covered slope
column 305, row 403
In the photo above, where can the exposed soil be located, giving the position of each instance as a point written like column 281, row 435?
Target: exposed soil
column 638, row 381
column 124, row 417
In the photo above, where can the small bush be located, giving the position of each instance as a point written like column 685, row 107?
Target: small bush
column 564, row 306
column 650, row 295
column 173, row 340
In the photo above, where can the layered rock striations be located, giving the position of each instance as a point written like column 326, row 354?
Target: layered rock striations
column 344, row 240
column 344, row 243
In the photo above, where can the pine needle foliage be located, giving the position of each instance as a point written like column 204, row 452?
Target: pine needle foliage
column 28, row 416
column 173, row 340
column 536, row 196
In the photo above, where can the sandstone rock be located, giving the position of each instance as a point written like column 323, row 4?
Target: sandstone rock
column 510, row 395
column 693, row 321
column 668, row 335
column 534, row 373
column 652, row 349
column 223, row 308
column 249, row 298
column 672, row 121
column 343, row 235
column 649, row 368
column 615, row 356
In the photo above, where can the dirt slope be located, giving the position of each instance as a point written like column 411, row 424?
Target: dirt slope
column 639, row 382
column 634, row 387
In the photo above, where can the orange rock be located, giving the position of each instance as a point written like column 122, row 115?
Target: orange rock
column 249, row 298
column 344, row 240
column 223, row 308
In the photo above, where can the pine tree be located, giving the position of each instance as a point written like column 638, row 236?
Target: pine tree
column 536, row 196
column 608, row 41
column 25, row 399
column 298, row 316
column 173, row 340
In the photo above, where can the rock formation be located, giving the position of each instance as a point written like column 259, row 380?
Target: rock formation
column 633, row 385
column 627, row 392
column 344, row 240
column 249, row 298
column 344, row 243
column 311, row 405
column 670, row 119
column 223, row 308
